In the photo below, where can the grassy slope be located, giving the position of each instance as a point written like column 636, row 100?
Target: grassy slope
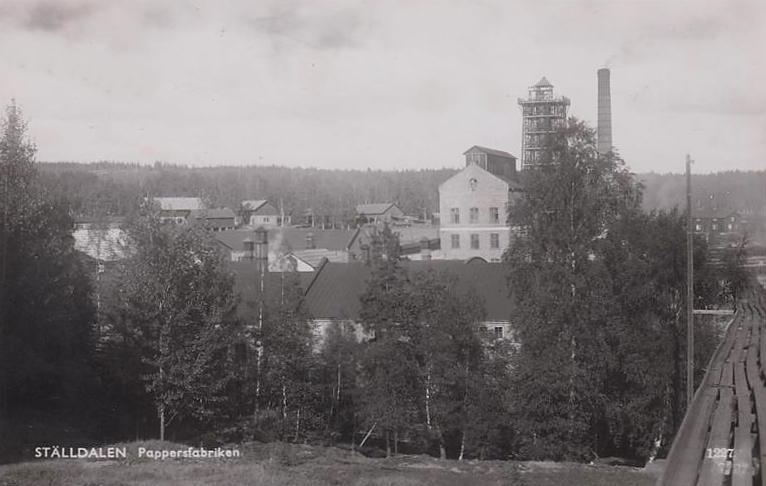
column 283, row 464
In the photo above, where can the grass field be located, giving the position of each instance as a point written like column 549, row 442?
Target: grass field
column 296, row 465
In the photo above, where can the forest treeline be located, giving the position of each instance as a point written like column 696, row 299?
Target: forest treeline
column 117, row 189
column 154, row 345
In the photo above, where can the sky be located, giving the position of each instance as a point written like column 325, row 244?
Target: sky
column 397, row 84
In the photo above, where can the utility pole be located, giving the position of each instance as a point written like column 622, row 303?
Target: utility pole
column 689, row 287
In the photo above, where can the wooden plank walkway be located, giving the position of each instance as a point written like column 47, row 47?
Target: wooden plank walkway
column 720, row 441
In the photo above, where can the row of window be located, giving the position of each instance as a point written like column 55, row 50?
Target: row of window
column 473, row 215
column 494, row 241
column 477, row 158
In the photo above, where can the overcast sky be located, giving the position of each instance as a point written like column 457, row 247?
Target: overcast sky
column 382, row 84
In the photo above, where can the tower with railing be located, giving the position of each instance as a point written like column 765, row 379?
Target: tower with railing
column 542, row 114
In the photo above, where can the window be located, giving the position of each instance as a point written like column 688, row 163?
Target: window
column 698, row 227
column 474, row 215
column 494, row 215
column 494, row 240
column 455, row 239
column 475, row 242
column 455, row 215
column 499, row 331
column 477, row 158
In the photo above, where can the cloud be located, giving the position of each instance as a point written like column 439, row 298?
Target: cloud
column 323, row 27
column 54, row 16
column 675, row 26
column 732, row 104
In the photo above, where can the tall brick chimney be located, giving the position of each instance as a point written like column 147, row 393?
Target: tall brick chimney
column 604, row 112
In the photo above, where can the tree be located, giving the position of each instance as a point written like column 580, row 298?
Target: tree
column 339, row 363
column 418, row 369
column 734, row 273
column 561, row 289
column 441, row 325
column 176, row 312
column 46, row 314
column 288, row 343
column 646, row 259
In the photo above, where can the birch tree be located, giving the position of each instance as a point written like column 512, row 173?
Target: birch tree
column 176, row 308
column 561, row 289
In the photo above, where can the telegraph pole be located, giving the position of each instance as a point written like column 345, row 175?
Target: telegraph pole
column 689, row 287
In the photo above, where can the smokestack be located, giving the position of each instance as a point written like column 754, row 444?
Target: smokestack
column 604, row 112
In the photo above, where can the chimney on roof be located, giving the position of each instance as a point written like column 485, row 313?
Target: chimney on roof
column 310, row 243
column 425, row 249
column 604, row 144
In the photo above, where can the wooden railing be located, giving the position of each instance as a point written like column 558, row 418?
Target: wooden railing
column 722, row 439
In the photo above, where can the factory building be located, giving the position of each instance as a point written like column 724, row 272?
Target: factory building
column 473, row 205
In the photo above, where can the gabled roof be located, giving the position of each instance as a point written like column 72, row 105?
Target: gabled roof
column 247, row 284
column 414, row 233
column 98, row 220
column 543, row 83
column 173, row 213
column 513, row 185
column 253, row 204
column 314, row 257
column 336, row 288
column 179, row 203
column 293, row 239
column 499, row 153
column 373, row 209
column 103, row 244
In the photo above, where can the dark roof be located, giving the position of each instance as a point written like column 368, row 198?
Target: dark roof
column 543, row 83
column 98, row 220
column 293, row 239
column 213, row 213
column 260, row 207
column 499, row 153
column 373, row 209
column 172, row 213
column 247, row 284
column 714, row 213
column 335, row 291
column 414, row 233
column 253, row 204
column 513, row 184
column 414, row 246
